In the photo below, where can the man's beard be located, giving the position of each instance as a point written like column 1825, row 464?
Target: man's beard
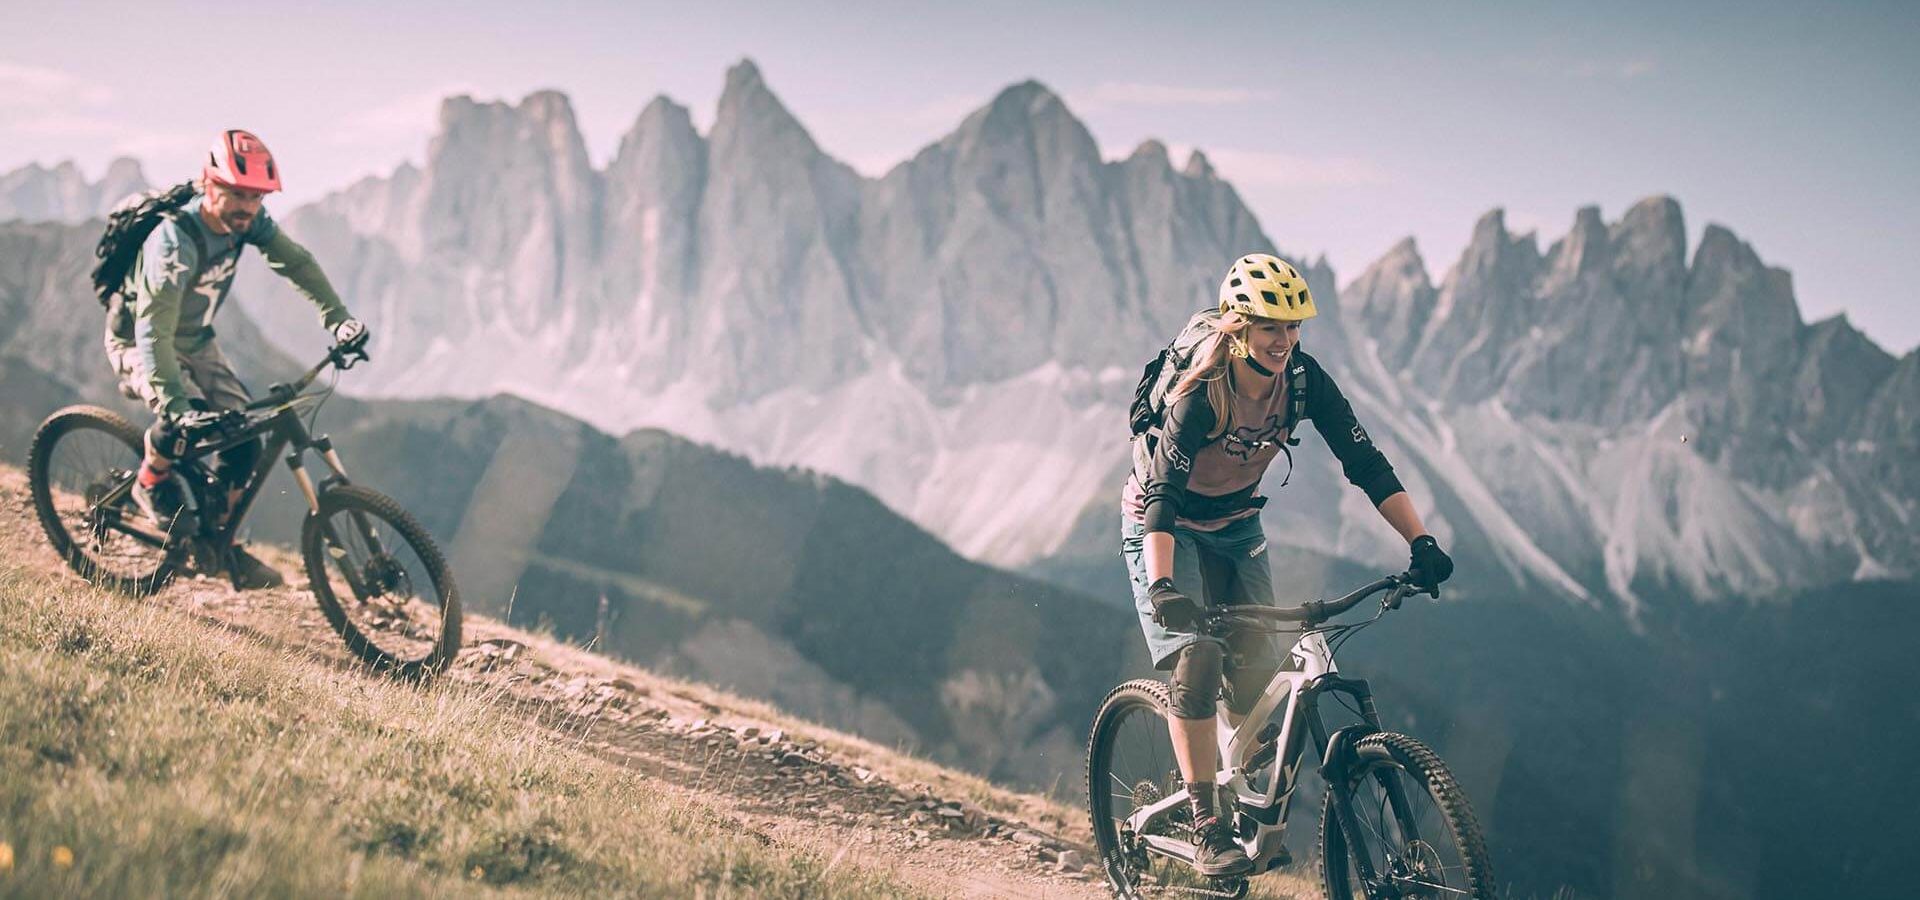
column 236, row 221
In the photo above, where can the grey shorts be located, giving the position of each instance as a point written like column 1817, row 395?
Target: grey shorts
column 205, row 375
column 1238, row 554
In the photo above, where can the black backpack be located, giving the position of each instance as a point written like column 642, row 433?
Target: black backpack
column 127, row 228
column 1149, row 407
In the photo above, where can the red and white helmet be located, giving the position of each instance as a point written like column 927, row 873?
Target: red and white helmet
column 238, row 159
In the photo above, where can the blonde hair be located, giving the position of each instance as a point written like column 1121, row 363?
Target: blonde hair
column 1210, row 367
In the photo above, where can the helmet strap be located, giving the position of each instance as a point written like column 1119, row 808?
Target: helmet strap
column 1257, row 367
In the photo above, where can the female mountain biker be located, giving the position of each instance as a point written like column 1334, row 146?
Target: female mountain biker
column 1193, row 496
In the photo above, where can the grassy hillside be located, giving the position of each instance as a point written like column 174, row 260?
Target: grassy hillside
column 144, row 752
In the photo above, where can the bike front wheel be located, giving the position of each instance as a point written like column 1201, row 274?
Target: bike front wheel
column 1415, row 828
column 382, row 582
column 80, row 470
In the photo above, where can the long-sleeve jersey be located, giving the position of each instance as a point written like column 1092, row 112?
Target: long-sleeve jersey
column 182, row 277
column 1182, row 476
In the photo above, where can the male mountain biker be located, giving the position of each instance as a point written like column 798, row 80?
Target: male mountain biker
column 160, row 337
column 1192, row 498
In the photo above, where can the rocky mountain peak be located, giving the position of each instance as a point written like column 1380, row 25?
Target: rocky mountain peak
column 1837, row 369
column 1494, row 254
column 1734, row 299
column 743, row 76
column 1151, row 150
column 1586, row 250
column 1650, row 253
column 1392, row 299
column 1030, row 114
column 63, row 194
column 662, row 127
column 1892, row 416
column 751, row 119
column 1198, row 166
column 124, row 167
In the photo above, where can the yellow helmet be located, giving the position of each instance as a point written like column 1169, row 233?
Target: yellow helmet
column 1266, row 287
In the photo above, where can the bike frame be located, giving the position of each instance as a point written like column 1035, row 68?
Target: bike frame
column 282, row 428
column 1293, row 695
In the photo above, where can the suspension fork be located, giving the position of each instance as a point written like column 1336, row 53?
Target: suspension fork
column 335, row 546
column 1337, row 761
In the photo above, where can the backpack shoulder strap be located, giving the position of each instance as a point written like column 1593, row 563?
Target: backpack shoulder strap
column 1296, row 399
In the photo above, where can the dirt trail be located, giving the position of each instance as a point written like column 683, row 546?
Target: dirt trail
column 791, row 784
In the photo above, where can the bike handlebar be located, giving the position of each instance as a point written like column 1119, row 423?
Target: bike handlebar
column 339, row 356
column 1315, row 612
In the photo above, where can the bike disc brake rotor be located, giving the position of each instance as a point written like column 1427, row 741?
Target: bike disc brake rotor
column 385, row 576
column 1418, row 872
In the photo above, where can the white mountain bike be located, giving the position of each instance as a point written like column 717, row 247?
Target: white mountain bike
column 1393, row 824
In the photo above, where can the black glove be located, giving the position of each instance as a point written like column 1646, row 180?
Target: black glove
column 1172, row 610
column 1431, row 565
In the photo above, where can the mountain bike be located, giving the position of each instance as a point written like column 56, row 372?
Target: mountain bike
column 375, row 572
column 1393, row 823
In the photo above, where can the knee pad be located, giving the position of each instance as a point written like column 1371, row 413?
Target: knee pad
column 166, row 440
column 237, row 461
column 1196, row 681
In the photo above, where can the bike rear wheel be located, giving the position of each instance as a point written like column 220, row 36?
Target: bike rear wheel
column 381, row 582
column 80, row 470
column 1130, row 765
column 1416, row 829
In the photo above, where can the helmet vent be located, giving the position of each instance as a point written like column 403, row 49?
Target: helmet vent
column 1242, row 298
column 239, row 164
column 1235, row 282
column 1271, row 298
column 1256, row 273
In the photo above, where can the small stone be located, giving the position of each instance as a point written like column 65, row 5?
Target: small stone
column 1028, row 838
column 1071, row 861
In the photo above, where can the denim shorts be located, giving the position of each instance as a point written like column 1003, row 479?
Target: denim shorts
column 1242, row 547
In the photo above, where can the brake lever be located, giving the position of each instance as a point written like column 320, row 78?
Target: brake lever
column 346, row 355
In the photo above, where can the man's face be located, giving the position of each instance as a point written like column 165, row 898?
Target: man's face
column 234, row 208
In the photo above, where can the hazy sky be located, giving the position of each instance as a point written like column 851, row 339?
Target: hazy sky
column 1345, row 126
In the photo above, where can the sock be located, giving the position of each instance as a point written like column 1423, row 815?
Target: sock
column 149, row 476
column 1200, row 794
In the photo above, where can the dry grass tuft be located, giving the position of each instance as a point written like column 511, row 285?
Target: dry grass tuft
column 146, row 753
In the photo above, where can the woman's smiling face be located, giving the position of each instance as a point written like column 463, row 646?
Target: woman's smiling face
column 1271, row 340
